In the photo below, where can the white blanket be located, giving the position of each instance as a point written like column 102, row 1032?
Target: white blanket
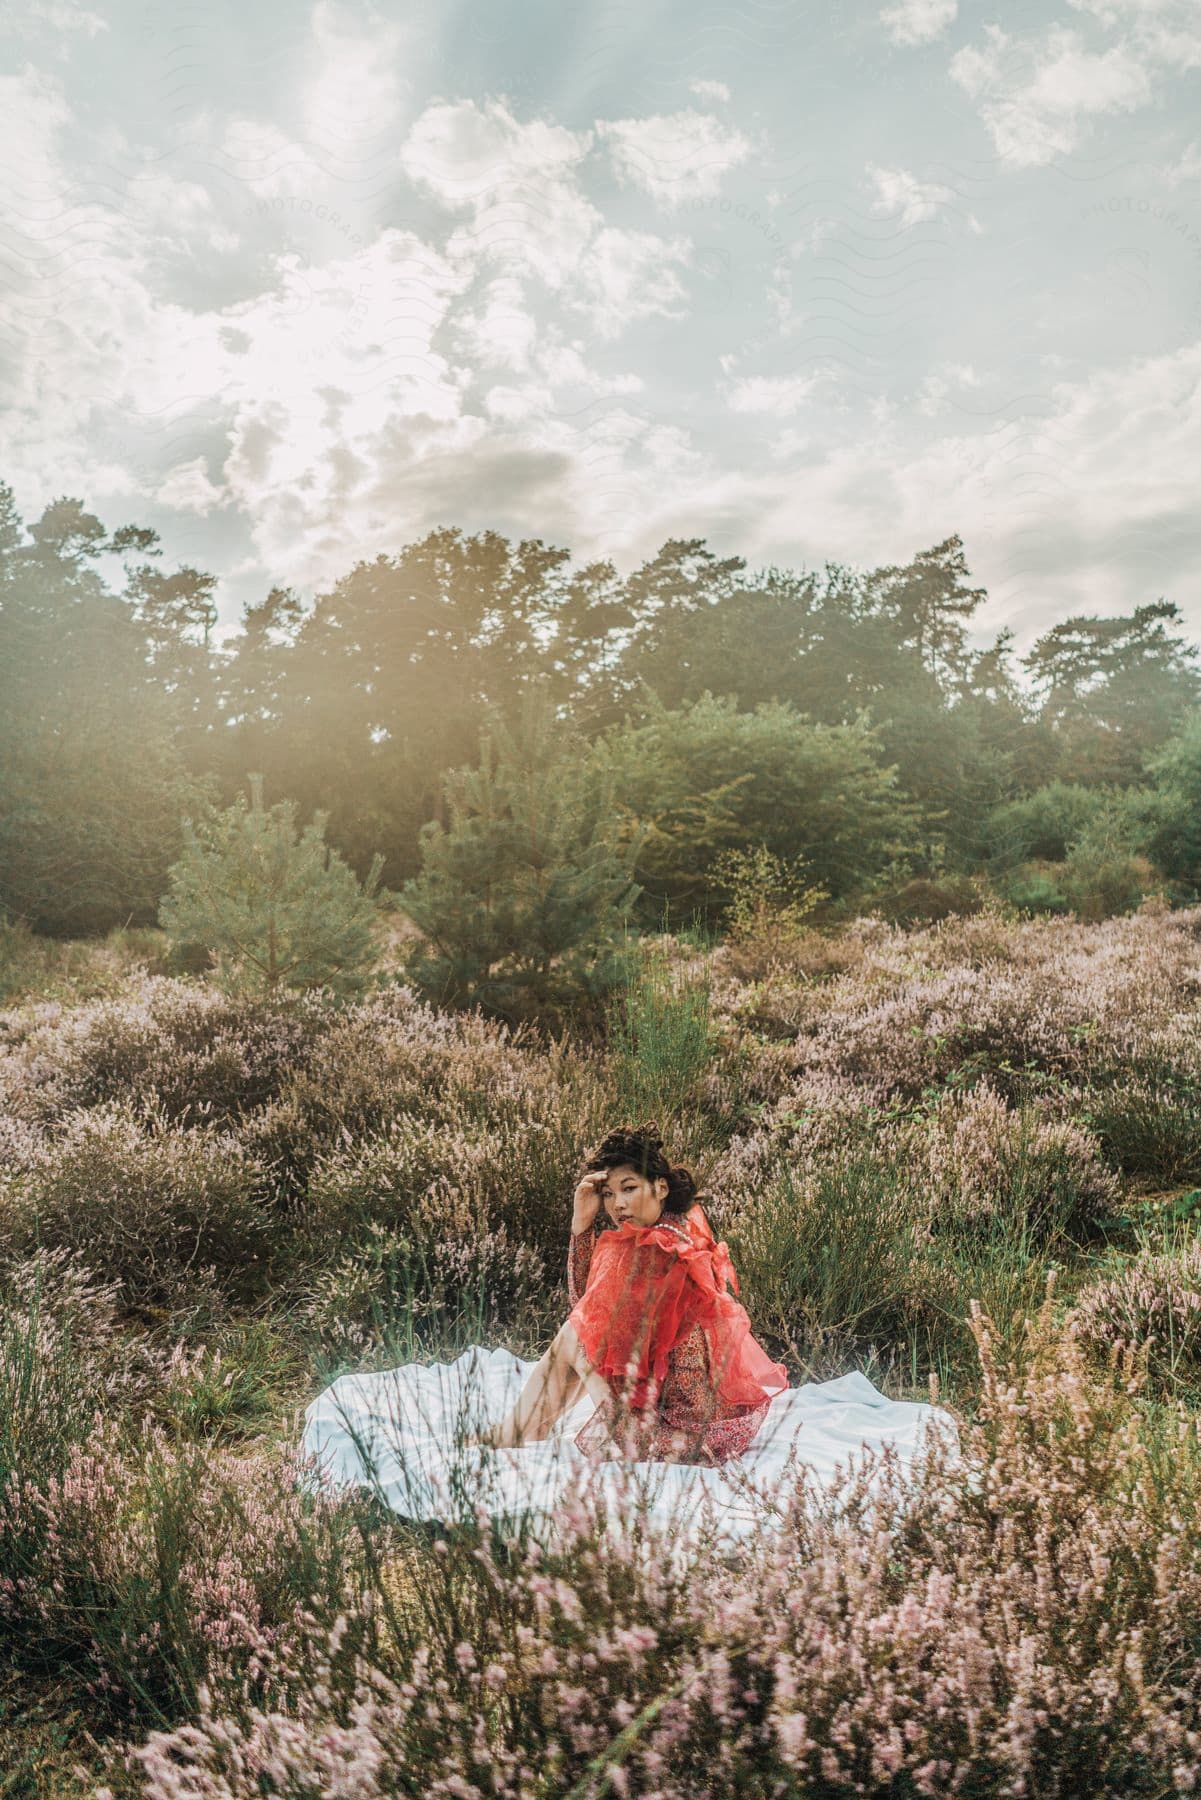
column 407, row 1421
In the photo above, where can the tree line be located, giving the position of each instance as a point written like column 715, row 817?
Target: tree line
column 469, row 704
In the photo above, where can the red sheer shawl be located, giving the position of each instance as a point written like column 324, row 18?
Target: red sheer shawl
column 646, row 1289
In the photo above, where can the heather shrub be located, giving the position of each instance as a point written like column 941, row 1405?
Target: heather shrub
column 72, row 969
column 446, row 1179
column 413, row 1295
column 828, row 1255
column 90, row 1559
column 227, row 1389
column 893, row 1125
column 809, row 957
column 143, row 1576
column 199, row 1055
column 674, row 1056
column 60, row 1359
column 1032, row 1005
column 782, row 1004
column 1148, row 1124
column 383, row 1181
column 150, row 1205
column 394, row 1055
column 1152, row 1302
column 816, row 1116
column 966, row 1155
column 1022, row 1621
column 983, row 1160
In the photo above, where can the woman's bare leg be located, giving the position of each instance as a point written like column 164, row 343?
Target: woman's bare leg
column 553, row 1386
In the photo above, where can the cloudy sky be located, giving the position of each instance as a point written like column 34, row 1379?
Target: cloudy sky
column 811, row 279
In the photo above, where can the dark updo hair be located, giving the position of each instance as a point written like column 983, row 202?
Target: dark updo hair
column 642, row 1146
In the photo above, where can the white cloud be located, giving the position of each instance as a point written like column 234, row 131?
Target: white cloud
column 899, row 192
column 510, row 403
column 187, row 488
column 563, row 365
column 519, row 182
column 1164, row 31
column 268, row 162
column 1188, row 169
column 500, row 331
column 940, row 382
column 627, row 275
column 468, row 155
column 353, row 89
column 709, row 90
column 1036, row 96
column 683, row 156
column 338, row 385
column 24, row 18
column 918, row 21
column 1088, row 504
column 778, row 395
column 356, row 393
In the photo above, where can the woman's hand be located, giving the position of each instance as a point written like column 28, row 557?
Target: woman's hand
column 586, row 1201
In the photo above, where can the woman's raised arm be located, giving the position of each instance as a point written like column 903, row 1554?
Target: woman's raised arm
column 585, row 1206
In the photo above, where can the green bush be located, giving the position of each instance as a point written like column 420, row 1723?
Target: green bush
column 923, row 900
column 1039, row 827
column 1098, row 882
column 525, row 894
column 274, row 908
column 662, row 1036
column 708, row 778
column 1034, row 887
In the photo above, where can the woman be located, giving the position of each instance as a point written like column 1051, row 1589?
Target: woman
column 653, row 1336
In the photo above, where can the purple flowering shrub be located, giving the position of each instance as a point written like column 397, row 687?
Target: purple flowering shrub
column 394, row 1082
column 147, row 1202
column 431, row 1289
column 200, row 1056
column 1035, row 1004
column 1024, row 1621
column 205, row 1201
column 1153, row 1302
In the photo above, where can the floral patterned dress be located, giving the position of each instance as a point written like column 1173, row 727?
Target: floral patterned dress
column 691, row 1423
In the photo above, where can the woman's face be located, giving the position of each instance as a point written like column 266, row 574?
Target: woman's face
column 627, row 1195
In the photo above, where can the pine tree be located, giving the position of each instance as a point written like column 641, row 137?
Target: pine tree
column 274, row 909
column 524, row 894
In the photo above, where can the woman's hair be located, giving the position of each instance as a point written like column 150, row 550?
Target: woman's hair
column 643, row 1147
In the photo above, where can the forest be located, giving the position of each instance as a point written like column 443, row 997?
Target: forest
column 840, row 721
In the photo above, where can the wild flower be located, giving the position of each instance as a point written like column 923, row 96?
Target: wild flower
column 1152, row 1303
column 1021, row 1615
